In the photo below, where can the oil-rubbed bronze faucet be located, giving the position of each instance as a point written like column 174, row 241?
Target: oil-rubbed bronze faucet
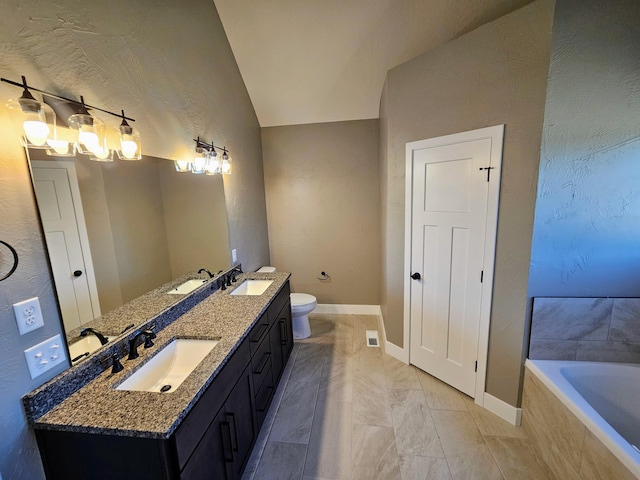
column 86, row 331
column 148, row 335
column 204, row 270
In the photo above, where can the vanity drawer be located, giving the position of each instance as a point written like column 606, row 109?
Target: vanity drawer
column 261, row 363
column 263, row 398
column 276, row 305
column 258, row 333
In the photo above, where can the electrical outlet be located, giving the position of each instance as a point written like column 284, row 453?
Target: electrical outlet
column 45, row 355
column 234, row 256
column 28, row 315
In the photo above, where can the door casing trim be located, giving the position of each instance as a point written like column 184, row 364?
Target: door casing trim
column 496, row 134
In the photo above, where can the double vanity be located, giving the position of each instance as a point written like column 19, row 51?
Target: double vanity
column 189, row 407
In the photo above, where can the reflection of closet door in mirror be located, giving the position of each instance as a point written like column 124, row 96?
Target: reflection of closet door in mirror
column 56, row 187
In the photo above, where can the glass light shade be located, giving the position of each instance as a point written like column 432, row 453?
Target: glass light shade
column 61, row 148
column 101, row 152
column 199, row 161
column 225, row 167
column 33, row 120
column 212, row 166
column 130, row 145
column 60, row 143
column 89, row 133
column 182, row 166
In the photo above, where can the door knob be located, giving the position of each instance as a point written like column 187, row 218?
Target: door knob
column 416, row 276
column 77, row 273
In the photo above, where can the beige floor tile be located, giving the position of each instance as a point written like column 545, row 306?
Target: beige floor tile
column 309, row 362
column 475, row 464
column 457, row 430
column 336, row 382
column 370, row 401
column 439, row 395
column 329, row 454
column 281, row 461
column 400, row 376
column 517, row 460
column 374, row 453
column 294, row 418
column 492, row 425
column 413, row 426
column 421, row 468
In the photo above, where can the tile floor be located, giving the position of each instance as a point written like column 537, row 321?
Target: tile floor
column 347, row 411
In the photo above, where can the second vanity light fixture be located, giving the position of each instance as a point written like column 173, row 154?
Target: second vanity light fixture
column 206, row 160
column 43, row 122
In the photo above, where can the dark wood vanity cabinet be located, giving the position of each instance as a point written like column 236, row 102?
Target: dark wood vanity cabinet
column 215, row 439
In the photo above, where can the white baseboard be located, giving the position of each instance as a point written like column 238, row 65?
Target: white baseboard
column 507, row 412
column 390, row 348
column 329, row 308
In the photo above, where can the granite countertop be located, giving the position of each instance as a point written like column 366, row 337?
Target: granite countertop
column 136, row 311
column 99, row 408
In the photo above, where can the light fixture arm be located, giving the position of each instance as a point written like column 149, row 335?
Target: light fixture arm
column 209, row 146
column 80, row 104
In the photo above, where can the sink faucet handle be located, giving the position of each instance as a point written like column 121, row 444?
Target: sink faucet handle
column 148, row 337
column 117, row 366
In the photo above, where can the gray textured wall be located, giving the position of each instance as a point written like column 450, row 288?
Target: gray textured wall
column 493, row 75
column 587, row 221
column 169, row 65
column 323, row 208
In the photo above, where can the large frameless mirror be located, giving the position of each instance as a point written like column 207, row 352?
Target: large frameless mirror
column 117, row 230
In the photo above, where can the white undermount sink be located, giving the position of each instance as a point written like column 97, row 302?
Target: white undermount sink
column 187, row 287
column 166, row 371
column 252, row 287
column 85, row 346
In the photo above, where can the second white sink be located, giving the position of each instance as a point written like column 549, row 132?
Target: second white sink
column 252, row 287
column 187, row 287
column 166, row 371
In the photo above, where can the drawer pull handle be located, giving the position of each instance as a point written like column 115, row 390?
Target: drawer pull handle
column 264, row 328
column 226, row 441
column 265, row 360
column 283, row 331
column 235, row 431
column 266, row 402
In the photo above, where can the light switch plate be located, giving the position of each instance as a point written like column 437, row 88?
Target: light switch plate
column 234, row 256
column 45, row 355
column 28, row 315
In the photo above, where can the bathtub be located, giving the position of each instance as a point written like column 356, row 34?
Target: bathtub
column 605, row 397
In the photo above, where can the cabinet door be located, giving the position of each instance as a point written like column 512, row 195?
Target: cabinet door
column 240, row 416
column 210, row 458
column 277, row 362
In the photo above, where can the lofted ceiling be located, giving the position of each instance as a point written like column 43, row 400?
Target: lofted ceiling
column 311, row 61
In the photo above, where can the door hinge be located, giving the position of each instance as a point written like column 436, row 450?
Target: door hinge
column 476, row 366
column 481, row 276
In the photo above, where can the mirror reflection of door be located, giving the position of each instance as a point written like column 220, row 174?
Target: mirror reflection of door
column 58, row 195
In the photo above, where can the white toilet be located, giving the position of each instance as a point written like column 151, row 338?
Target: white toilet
column 302, row 304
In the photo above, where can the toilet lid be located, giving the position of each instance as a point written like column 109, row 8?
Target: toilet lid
column 302, row 299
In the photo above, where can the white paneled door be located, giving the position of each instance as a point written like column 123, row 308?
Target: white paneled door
column 58, row 195
column 451, row 202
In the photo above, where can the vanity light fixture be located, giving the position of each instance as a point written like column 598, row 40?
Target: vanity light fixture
column 206, row 160
column 88, row 133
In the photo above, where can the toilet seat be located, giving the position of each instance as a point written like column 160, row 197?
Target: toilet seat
column 302, row 300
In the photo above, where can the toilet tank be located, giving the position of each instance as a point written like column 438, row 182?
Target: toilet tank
column 266, row 270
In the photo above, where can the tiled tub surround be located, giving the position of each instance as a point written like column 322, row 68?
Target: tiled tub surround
column 98, row 407
column 568, row 434
column 586, row 329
